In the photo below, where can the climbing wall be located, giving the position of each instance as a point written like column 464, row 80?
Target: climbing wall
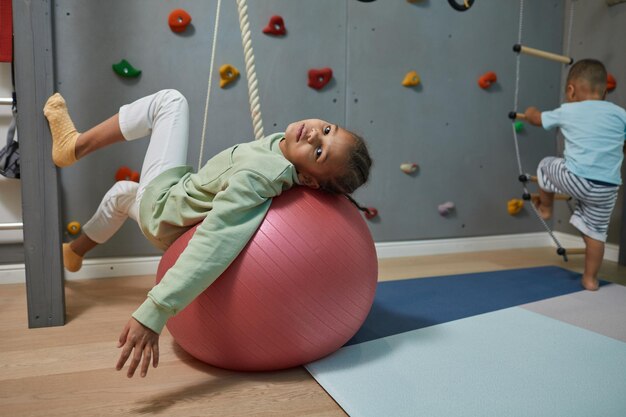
column 456, row 132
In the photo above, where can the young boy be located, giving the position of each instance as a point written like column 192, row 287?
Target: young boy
column 590, row 170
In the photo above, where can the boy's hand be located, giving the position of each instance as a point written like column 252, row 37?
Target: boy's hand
column 144, row 342
column 533, row 116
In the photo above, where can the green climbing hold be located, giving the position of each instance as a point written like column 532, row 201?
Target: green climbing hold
column 519, row 126
column 124, row 69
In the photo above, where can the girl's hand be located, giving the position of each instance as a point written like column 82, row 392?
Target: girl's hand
column 144, row 342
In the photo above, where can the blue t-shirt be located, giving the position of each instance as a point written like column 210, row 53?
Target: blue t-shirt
column 594, row 133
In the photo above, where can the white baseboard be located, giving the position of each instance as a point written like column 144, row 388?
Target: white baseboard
column 114, row 267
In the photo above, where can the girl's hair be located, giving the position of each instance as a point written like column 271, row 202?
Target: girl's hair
column 590, row 70
column 356, row 174
column 357, row 170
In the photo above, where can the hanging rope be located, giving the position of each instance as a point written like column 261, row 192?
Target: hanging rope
column 524, row 178
column 208, row 89
column 253, row 91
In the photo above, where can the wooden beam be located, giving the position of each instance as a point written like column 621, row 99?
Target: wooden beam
column 34, row 78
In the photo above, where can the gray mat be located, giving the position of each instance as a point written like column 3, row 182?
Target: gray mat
column 602, row 311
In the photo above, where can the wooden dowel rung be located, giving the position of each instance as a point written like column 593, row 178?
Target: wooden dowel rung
column 556, row 196
column 542, row 54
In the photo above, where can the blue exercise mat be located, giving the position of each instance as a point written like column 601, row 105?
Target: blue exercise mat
column 405, row 305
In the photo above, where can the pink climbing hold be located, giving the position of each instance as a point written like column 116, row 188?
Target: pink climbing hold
column 446, row 208
column 318, row 78
column 275, row 27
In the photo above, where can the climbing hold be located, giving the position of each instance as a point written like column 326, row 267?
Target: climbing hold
column 228, row 74
column 519, row 126
column 371, row 213
column 445, row 208
column 611, row 83
column 408, row 168
column 461, row 7
column 487, row 79
column 276, row 26
column 73, row 228
column 514, row 206
column 124, row 69
column 126, row 174
column 318, row 78
column 411, row 79
column 178, row 20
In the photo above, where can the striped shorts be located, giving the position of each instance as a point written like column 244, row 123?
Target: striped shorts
column 594, row 202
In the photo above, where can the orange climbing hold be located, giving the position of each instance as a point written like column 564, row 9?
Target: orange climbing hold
column 487, row 79
column 411, row 79
column 178, row 20
column 126, row 174
column 514, row 206
column 611, row 83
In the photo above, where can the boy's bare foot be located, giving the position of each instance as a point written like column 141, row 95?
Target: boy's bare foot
column 544, row 212
column 64, row 134
column 590, row 284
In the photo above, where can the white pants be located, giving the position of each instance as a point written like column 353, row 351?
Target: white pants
column 164, row 117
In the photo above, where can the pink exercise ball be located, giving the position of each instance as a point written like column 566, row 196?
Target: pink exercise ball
column 299, row 290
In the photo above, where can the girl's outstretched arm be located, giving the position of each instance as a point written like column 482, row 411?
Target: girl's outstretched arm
column 144, row 342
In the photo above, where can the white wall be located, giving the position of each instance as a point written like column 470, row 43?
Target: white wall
column 10, row 193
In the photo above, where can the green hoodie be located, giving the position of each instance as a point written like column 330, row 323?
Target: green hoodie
column 230, row 197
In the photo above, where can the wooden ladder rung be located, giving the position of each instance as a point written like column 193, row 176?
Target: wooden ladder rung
column 556, row 196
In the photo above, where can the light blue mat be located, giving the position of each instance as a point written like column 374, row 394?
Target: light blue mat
column 511, row 362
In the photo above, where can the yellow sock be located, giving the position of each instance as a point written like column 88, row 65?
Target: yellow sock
column 64, row 133
column 71, row 260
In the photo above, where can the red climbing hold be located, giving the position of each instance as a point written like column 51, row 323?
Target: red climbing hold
column 610, row 82
column 371, row 213
column 276, row 26
column 318, row 78
column 179, row 20
column 487, row 79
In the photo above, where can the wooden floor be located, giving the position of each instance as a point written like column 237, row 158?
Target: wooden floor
column 69, row 370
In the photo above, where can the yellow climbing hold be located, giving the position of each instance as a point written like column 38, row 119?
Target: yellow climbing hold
column 411, row 79
column 514, row 206
column 228, row 74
